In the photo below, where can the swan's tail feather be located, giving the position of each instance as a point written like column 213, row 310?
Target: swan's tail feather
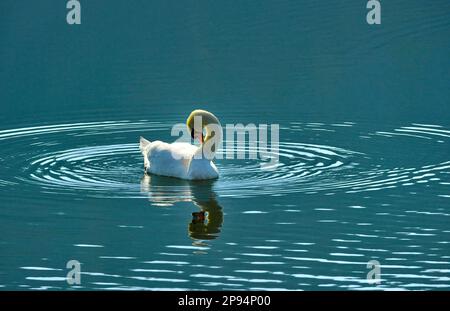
column 144, row 146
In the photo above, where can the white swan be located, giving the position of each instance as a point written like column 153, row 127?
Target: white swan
column 183, row 160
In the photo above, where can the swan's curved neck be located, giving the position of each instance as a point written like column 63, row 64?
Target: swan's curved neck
column 212, row 141
column 202, row 120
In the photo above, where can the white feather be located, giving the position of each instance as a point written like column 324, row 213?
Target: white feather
column 176, row 160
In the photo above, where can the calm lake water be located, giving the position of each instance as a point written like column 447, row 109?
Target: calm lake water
column 364, row 174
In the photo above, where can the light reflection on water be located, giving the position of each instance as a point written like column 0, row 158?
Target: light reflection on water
column 314, row 223
column 206, row 222
column 105, row 170
column 364, row 168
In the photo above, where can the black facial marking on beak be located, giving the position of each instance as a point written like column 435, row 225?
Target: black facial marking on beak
column 192, row 133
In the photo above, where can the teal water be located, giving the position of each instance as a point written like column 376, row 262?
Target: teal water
column 364, row 168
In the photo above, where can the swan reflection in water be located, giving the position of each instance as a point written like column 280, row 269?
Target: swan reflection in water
column 166, row 191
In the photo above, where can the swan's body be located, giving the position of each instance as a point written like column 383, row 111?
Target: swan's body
column 181, row 160
column 161, row 161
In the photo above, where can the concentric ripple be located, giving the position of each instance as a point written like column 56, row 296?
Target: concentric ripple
column 104, row 160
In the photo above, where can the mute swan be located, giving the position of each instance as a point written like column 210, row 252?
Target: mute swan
column 183, row 160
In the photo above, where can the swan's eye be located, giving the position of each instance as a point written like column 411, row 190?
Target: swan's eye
column 192, row 133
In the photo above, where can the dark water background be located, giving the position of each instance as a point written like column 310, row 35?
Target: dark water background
column 364, row 144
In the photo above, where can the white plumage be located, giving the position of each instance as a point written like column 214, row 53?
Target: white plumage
column 178, row 159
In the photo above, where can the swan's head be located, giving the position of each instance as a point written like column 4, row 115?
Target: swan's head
column 200, row 120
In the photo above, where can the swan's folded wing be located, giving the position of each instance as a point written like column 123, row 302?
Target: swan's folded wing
column 170, row 159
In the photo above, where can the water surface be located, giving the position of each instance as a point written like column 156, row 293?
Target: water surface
column 364, row 169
